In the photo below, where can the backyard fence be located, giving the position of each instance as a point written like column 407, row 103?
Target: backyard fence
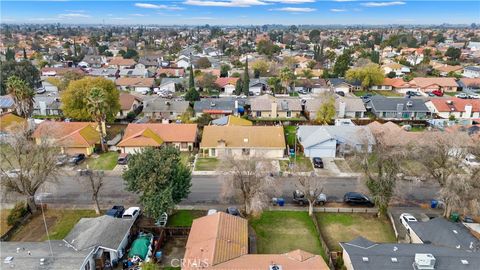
column 323, row 243
column 8, row 234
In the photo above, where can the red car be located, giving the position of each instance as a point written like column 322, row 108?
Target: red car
column 437, row 93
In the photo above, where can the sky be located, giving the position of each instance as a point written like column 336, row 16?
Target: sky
column 241, row 12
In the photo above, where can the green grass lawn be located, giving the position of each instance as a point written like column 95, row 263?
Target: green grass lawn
column 184, row 218
column 363, row 93
column 206, row 164
column 184, row 157
column 452, row 94
column 342, row 165
column 282, row 231
column 290, row 134
column 387, row 93
column 344, row 227
column 104, row 161
column 301, row 161
column 65, row 222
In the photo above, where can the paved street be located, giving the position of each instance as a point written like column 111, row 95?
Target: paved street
column 207, row 190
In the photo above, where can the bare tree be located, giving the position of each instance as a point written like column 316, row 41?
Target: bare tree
column 94, row 181
column 248, row 180
column 307, row 184
column 27, row 165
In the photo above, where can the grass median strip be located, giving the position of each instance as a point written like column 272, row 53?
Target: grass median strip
column 206, row 164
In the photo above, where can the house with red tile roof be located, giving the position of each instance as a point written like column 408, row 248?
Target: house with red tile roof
column 139, row 136
column 459, row 108
column 171, row 72
column 121, row 63
column 227, row 84
column 140, row 85
column 447, row 84
column 128, row 103
column 221, row 241
column 71, row 137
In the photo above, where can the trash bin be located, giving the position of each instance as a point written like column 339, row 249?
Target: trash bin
column 455, row 217
column 434, row 204
column 281, row 202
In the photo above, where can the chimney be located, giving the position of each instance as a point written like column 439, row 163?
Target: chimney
column 468, row 111
column 341, row 109
column 274, row 109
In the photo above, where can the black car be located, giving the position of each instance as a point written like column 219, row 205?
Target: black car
column 355, row 198
column 233, row 211
column 340, row 93
column 116, row 211
column 317, row 162
column 299, row 197
column 367, row 96
column 123, row 159
column 77, row 159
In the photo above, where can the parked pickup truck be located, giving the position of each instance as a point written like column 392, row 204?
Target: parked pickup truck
column 299, row 197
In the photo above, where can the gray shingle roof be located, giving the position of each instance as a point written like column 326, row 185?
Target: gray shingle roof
column 442, row 232
column 164, row 105
column 380, row 256
column 6, row 102
column 105, row 231
column 384, row 104
column 351, row 135
column 264, row 103
column 219, row 104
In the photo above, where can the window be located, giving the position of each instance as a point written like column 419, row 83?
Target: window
column 183, row 145
column 358, row 115
column 246, row 151
column 259, row 113
column 289, row 114
column 212, row 152
column 87, row 266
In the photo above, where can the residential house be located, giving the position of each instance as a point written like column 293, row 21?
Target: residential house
column 71, row 137
column 221, row 241
column 362, row 254
column 128, row 104
column 388, row 84
column 345, row 107
column 140, row 85
column 9, row 124
column 219, row 107
column 171, row 72
column 340, row 85
column 447, row 84
column 471, row 72
column 397, row 108
column 446, row 70
column 315, row 86
column 243, row 141
column 459, row 108
column 392, row 135
column 121, row 63
column 139, row 136
column 231, row 121
column 442, row 232
column 160, row 108
column 398, row 69
column 49, row 87
column 7, row 104
column 184, row 61
column 334, row 141
column 95, row 61
column 139, row 71
column 101, row 238
column 46, row 105
column 171, row 84
column 149, row 61
column 257, row 86
column 108, row 73
column 59, row 71
column 227, row 84
column 469, row 84
column 268, row 106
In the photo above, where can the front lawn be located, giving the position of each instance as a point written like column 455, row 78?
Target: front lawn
column 284, row 231
column 290, row 135
column 300, row 160
column 206, row 164
column 104, row 161
column 59, row 223
column 184, row 218
column 342, row 165
column 363, row 93
column 388, row 93
column 344, row 227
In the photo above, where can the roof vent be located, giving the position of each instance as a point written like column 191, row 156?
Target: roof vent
column 274, row 267
column 464, row 261
column 449, row 102
column 212, row 104
column 394, row 260
column 365, row 259
column 245, row 140
column 409, row 104
column 424, row 261
column 455, row 231
column 167, row 103
column 8, row 259
column 395, row 248
column 42, row 261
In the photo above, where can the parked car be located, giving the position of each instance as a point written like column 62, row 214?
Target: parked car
column 41, row 90
column 77, row 159
column 474, row 96
column 116, row 211
column 61, row 160
column 367, row 96
column 437, row 93
column 131, row 212
column 340, row 93
column 233, row 211
column 413, row 93
column 405, row 218
column 299, row 197
column 13, row 173
column 317, row 162
column 471, row 160
column 123, row 159
column 462, row 96
column 211, row 212
column 430, row 94
column 355, row 198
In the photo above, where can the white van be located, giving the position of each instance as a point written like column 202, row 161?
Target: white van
column 131, row 212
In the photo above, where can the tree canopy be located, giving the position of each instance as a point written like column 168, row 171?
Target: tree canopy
column 23, row 69
column 203, row 62
column 159, row 176
column 370, row 74
column 74, row 98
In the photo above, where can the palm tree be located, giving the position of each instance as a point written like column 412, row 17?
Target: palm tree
column 22, row 95
column 307, row 73
column 286, row 77
column 97, row 107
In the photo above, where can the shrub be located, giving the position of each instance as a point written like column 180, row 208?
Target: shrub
column 19, row 211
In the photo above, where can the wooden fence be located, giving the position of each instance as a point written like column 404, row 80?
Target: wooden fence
column 8, row 234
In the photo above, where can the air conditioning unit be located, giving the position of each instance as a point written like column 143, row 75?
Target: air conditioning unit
column 424, row 261
column 212, row 104
column 409, row 104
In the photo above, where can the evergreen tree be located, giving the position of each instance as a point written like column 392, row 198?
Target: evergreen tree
column 246, row 79
column 191, row 80
column 24, row 54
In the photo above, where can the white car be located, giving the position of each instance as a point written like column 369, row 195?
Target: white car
column 211, row 212
column 405, row 218
column 131, row 212
column 471, row 160
column 462, row 95
column 474, row 96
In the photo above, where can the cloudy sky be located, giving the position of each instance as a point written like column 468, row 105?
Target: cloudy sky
column 241, row 12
